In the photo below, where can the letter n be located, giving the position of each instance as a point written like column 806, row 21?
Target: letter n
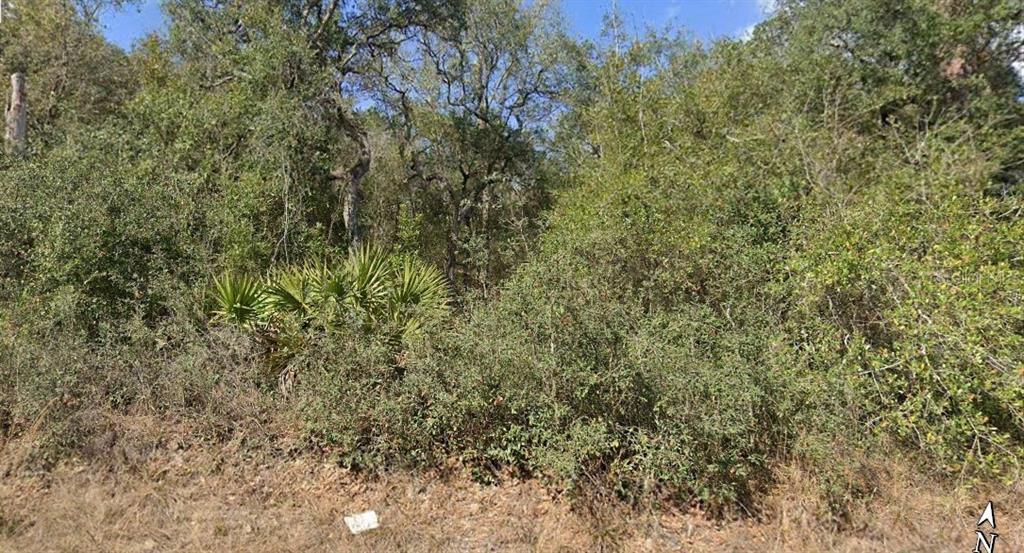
column 989, row 546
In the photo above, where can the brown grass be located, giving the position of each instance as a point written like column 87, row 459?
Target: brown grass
column 161, row 494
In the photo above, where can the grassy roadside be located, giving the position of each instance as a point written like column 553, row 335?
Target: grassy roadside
column 156, row 490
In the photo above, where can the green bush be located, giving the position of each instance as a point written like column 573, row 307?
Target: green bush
column 94, row 245
column 396, row 295
column 742, row 277
column 62, row 390
column 635, row 350
column 918, row 280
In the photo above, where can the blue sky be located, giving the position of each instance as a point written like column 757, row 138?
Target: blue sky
column 705, row 19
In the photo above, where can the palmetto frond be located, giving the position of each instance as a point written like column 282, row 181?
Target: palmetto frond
column 418, row 285
column 368, row 271
column 326, row 283
column 240, row 299
column 289, row 291
column 371, row 288
column 418, row 294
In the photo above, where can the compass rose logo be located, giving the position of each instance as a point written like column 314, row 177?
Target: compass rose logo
column 986, row 542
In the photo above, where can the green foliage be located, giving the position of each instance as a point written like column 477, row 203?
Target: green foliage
column 369, row 273
column 92, row 245
column 73, row 76
column 760, row 251
column 744, row 275
column 419, row 294
column 290, row 291
column 920, row 289
column 241, row 299
column 379, row 292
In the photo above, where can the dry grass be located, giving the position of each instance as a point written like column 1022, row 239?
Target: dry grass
column 244, row 497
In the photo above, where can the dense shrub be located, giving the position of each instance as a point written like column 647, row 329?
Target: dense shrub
column 917, row 279
column 92, row 242
column 738, row 279
column 763, row 252
column 634, row 350
column 58, row 388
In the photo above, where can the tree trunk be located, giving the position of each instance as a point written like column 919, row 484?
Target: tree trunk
column 460, row 220
column 352, row 178
column 16, row 116
column 451, row 246
column 350, row 211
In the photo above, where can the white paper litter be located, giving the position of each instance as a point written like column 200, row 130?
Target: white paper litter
column 362, row 522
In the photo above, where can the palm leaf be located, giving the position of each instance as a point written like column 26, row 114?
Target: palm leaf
column 326, row 283
column 368, row 271
column 418, row 294
column 240, row 299
column 288, row 291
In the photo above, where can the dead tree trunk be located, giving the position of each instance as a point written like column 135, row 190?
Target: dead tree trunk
column 16, row 115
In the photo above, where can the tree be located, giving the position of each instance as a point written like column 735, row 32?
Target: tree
column 472, row 103
column 907, row 57
column 16, row 115
column 315, row 58
column 73, row 74
column 350, row 37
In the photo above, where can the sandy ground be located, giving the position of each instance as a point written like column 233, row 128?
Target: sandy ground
column 232, row 497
